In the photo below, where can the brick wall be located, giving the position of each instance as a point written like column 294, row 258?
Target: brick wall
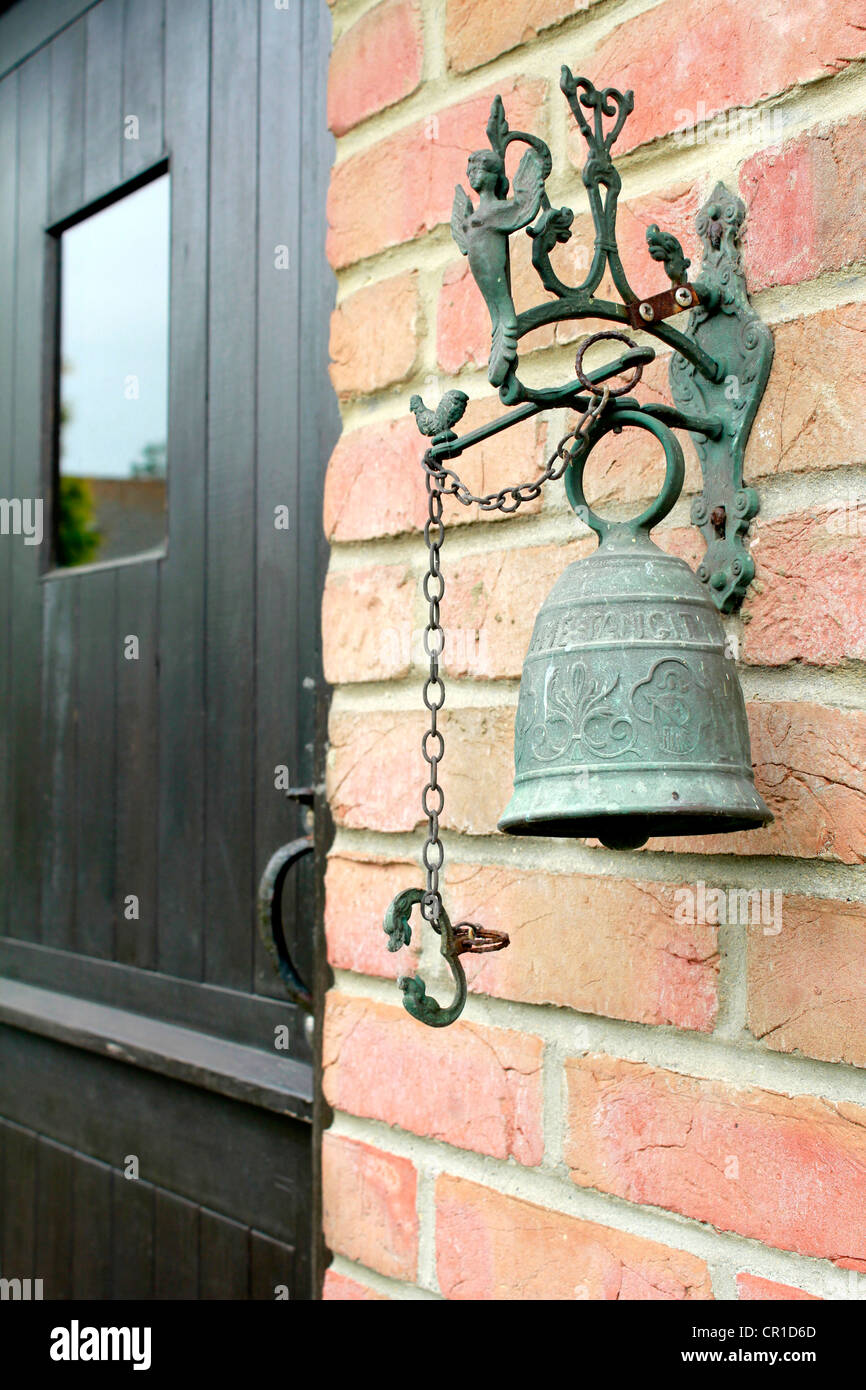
column 633, row 1106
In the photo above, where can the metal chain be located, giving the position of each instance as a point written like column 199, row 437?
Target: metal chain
column 507, row 500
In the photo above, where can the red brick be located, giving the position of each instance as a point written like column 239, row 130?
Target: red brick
column 403, row 186
column 601, row 945
column 474, row 1087
column 808, row 419
column 478, row 30
column 804, row 218
column 809, row 765
column 751, row 1287
column 489, row 1246
column 375, row 63
column 723, row 54
column 497, row 595
column 375, row 483
column 368, row 1206
column 338, row 1288
column 462, row 320
column 807, row 983
column 357, row 895
column 368, row 616
column 374, row 336
column 808, row 601
column 376, row 772
column 788, row 1171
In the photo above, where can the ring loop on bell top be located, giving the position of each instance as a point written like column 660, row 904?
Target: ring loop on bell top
column 671, row 487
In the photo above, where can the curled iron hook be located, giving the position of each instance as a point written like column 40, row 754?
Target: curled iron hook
column 455, row 941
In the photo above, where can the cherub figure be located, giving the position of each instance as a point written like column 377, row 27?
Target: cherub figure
column 482, row 234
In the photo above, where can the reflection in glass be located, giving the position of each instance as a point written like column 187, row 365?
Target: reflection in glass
column 114, row 379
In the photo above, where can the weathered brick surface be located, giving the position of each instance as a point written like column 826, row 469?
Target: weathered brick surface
column 600, row 945
column 403, row 186
column 807, row 983
column 375, row 63
column 495, row 625
column 474, row 1087
column 813, row 414
column 789, row 1171
column 805, row 215
column 368, row 1201
column 723, row 54
column 376, row 772
column 339, row 1288
column 809, row 765
column 374, row 336
column 368, row 616
column 374, row 485
column 357, row 894
column 808, row 601
column 751, row 1287
column 489, row 1246
column 478, row 30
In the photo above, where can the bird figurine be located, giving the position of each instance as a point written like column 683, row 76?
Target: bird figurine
column 663, row 246
column 440, row 422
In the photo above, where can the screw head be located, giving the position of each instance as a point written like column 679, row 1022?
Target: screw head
column 647, row 312
column 683, row 296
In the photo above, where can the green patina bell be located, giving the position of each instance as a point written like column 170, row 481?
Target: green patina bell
column 631, row 722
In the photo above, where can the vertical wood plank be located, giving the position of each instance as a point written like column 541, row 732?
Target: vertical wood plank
column 91, row 1241
column 25, row 655
column 66, row 192
column 103, row 125
column 137, row 759
column 279, row 346
column 182, row 777
column 176, row 1241
column 8, row 222
column 230, row 885
column 143, row 34
column 132, row 1238
column 54, row 1220
column 19, row 1204
column 224, row 1258
column 272, row 1266
column 98, row 658
column 59, row 724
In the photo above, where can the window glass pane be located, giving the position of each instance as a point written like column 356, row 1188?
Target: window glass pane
column 114, row 380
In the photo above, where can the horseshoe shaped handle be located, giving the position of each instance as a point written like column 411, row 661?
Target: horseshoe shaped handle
column 270, row 899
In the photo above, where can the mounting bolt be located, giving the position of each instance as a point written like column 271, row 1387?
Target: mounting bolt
column 718, row 518
column 647, row 312
column 683, row 296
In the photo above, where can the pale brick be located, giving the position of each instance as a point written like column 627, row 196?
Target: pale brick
column 751, row 1288
column 369, row 1206
column 489, row 1246
column 807, row 983
column 339, row 1288
column 374, row 336
column 788, row 1171
column 368, row 617
column 403, row 186
column 357, row 895
column 474, row 1087
column 375, row 63
column 600, row 945
column 478, row 30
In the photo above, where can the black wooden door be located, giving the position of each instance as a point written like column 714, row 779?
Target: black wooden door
column 169, row 1039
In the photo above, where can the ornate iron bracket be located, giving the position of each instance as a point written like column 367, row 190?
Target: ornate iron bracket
column 719, row 368
column 721, row 359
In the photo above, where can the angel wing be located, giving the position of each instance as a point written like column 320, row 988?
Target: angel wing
column 461, row 209
column 529, row 185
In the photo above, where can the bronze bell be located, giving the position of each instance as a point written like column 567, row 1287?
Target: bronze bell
column 631, row 722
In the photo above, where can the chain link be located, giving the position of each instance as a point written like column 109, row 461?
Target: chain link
column 444, row 482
